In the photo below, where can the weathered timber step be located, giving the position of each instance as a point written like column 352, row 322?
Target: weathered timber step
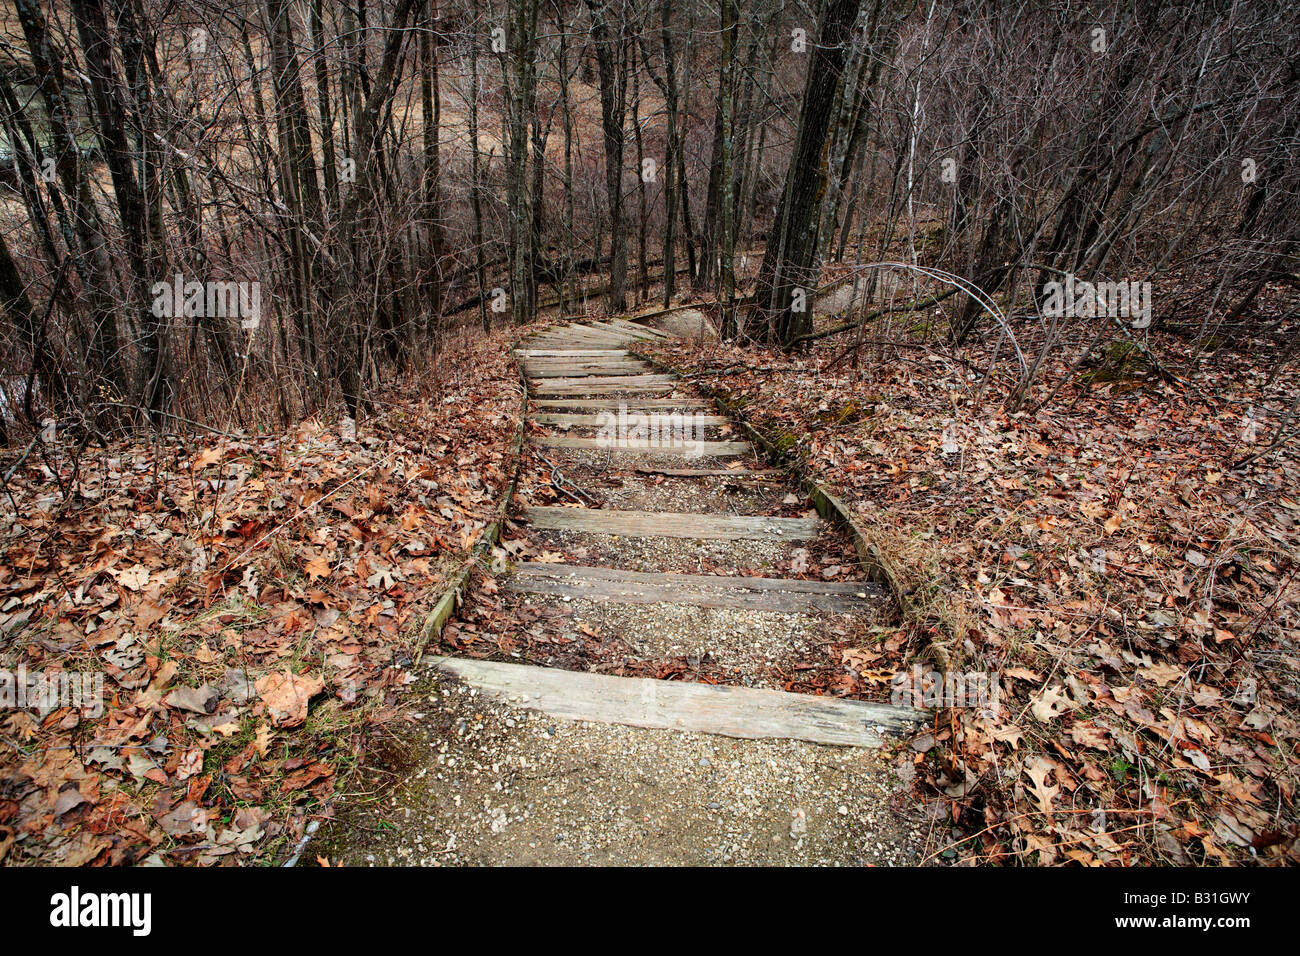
column 568, row 343
column 758, row 473
column 593, row 333
column 644, row 378
column 607, row 370
column 576, row 420
column 583, row 366
column 686, row 448
column 638, row 327
column 744, row 712
column 699, row 590
column 548, row 360
column 529, row 353
column 632, row 405
column 595, row 387
column 580, row 361
column 673, row 525
column 636, row 332
column 569, row 338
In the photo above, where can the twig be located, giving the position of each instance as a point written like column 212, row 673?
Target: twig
column 558, row 481
column 19, row 463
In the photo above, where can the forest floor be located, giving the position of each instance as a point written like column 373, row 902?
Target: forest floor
column 1134, row 590
column 250, row 606
column 253, row 605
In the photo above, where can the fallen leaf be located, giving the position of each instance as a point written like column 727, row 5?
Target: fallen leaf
column 286, row 694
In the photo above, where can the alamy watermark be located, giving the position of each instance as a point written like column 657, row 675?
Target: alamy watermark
column 52, row 690
column 209, row 300
column 651, row 430
column 922, row 688
column 1075, row 298
column 75, row 909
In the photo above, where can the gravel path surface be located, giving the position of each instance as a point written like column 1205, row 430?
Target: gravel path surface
column 472, row 782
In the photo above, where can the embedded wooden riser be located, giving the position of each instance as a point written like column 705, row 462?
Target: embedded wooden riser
column 699, row 590
column 744, row 712
column 660, row 524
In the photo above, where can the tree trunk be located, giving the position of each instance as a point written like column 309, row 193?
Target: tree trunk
column 431, row 115
column 84, row 235
column 788, row 276
column 475, row 188
column 612, row 69
column 144, row 256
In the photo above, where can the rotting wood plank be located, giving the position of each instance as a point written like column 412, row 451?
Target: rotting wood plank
column 744, row 712
column 639, row 327
column 600, row 334
column 639, row 334
column 597, row 335
column 568, row 343
column 579, row 361
column 673, row 525
column 591, row 371
column 597, row 388
column 586, row 338
column 694, row 448
column 710, row 472
column 622, row 325
column 594, row 421
column 639, row 379
column 573, row 353
column 536, row 369
column 699, row 590
column 632, row 404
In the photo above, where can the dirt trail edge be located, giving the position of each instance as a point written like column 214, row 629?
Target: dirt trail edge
column 658, row 549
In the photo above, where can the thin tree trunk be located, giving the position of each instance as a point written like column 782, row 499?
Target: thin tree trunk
column 643, row 274
column 475, row 189
column 144, row 257
column 84, row 234
column 431, row 116
column 611, row 63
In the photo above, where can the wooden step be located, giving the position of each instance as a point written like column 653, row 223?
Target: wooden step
column 576, row 338
column 639, row 327
column 636, row 333
column 691, row 448
column 641, row 378
column 744, row 712
column 742, row 473
column 580, row 362
column 599, row 334
column 569, row 343
column 580, row 359
column 634, row 404
column 607, row 370
column 572, row 353
column 594, row 421
column 699, row 590
column 673, row 525
column 548, row 388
